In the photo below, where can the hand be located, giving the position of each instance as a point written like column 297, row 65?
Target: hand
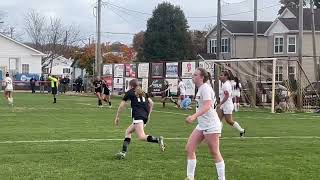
column 116, row 121
column 190, row 119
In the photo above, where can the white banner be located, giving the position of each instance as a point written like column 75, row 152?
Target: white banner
column 144, row 85
column 107, row 69
column 118, row 84
column 208, row 66
column 187, row 69
column 126, row 84
column 118, row 70
column 143, row 70
column 189, row 86
column 174, row 85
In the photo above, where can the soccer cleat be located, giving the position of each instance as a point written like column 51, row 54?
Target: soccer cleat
column 110, row 106
column 242, row 134
column 161, row 144
column 120, row 155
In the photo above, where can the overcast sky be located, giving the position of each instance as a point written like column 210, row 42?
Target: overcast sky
column 118, row 17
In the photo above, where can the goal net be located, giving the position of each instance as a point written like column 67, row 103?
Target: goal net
column 257, row 78
column 274, row 83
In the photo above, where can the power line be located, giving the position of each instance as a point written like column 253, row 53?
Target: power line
column 191, row 17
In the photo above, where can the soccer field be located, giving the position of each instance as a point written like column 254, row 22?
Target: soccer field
column 74, row 139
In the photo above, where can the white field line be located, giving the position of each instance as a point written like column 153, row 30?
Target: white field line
column 177, row 138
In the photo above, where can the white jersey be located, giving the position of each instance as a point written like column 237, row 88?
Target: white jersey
column 210, row 119
column 235, row 91
column 226, row 86
column 182, row 88
column 8, row 83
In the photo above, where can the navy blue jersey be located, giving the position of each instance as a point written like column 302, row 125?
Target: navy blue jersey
column 140, row 106
column 97, row 85
column 106, row 89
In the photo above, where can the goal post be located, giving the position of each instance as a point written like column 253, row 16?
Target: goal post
column 261, row 70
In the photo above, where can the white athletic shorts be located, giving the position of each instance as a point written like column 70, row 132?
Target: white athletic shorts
column 236, row 94
column 8, row 90
column 134, row 121
column 227, row 108
column 213, row 130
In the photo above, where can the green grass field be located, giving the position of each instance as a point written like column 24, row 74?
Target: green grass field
column 74, row 139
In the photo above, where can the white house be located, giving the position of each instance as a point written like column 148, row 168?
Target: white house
column 61, row 66
column 18, row 58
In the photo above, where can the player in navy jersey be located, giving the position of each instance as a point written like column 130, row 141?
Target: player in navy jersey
column 105, row 96
column 166, row 94
column 98, row 90
column 141, row 106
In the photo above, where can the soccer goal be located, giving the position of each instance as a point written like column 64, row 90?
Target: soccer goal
column 280, row 84
column 258, row 79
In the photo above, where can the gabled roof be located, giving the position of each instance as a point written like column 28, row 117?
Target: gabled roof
column 21, row 44
column 243, row 27
column 293, row 23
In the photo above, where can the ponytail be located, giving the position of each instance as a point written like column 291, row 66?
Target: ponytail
column 139, row 92
column 210, row 80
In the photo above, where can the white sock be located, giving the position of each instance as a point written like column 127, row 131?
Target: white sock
column 221, row 170
column 191, row 168
column 238, row 127
column 238, row 106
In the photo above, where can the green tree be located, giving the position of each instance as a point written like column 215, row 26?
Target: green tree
column 138, row 41
column 289, row 3
column 167, row 37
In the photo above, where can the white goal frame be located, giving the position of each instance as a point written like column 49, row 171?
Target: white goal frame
column 274, row 64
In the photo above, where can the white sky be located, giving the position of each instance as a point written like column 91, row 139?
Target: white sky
column 114, row 19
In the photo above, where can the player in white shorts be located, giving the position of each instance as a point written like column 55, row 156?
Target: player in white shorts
column 182, row 91
column 236, row 87
column 8, row 84
column 225, row 108
column 208, row 128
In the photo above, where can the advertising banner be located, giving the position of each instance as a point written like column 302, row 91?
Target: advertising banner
column 171, row 70
column 157, row 70
column 187, row 69
column 118, row 70
column 143, row 70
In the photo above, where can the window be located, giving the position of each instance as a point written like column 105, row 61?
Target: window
column 291, row 44
column 291, row 72
column 278, row 45
column 25, row 68
column 225, row 45
column 213, row 48
column 46, row 71
column 66, row 70
column 279, row 73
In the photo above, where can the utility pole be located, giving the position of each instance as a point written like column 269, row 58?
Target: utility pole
column 299, row 98
column 254, row 68
column 255, row 28
column 98, row 59
column 316, row 66
column 216, row 67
